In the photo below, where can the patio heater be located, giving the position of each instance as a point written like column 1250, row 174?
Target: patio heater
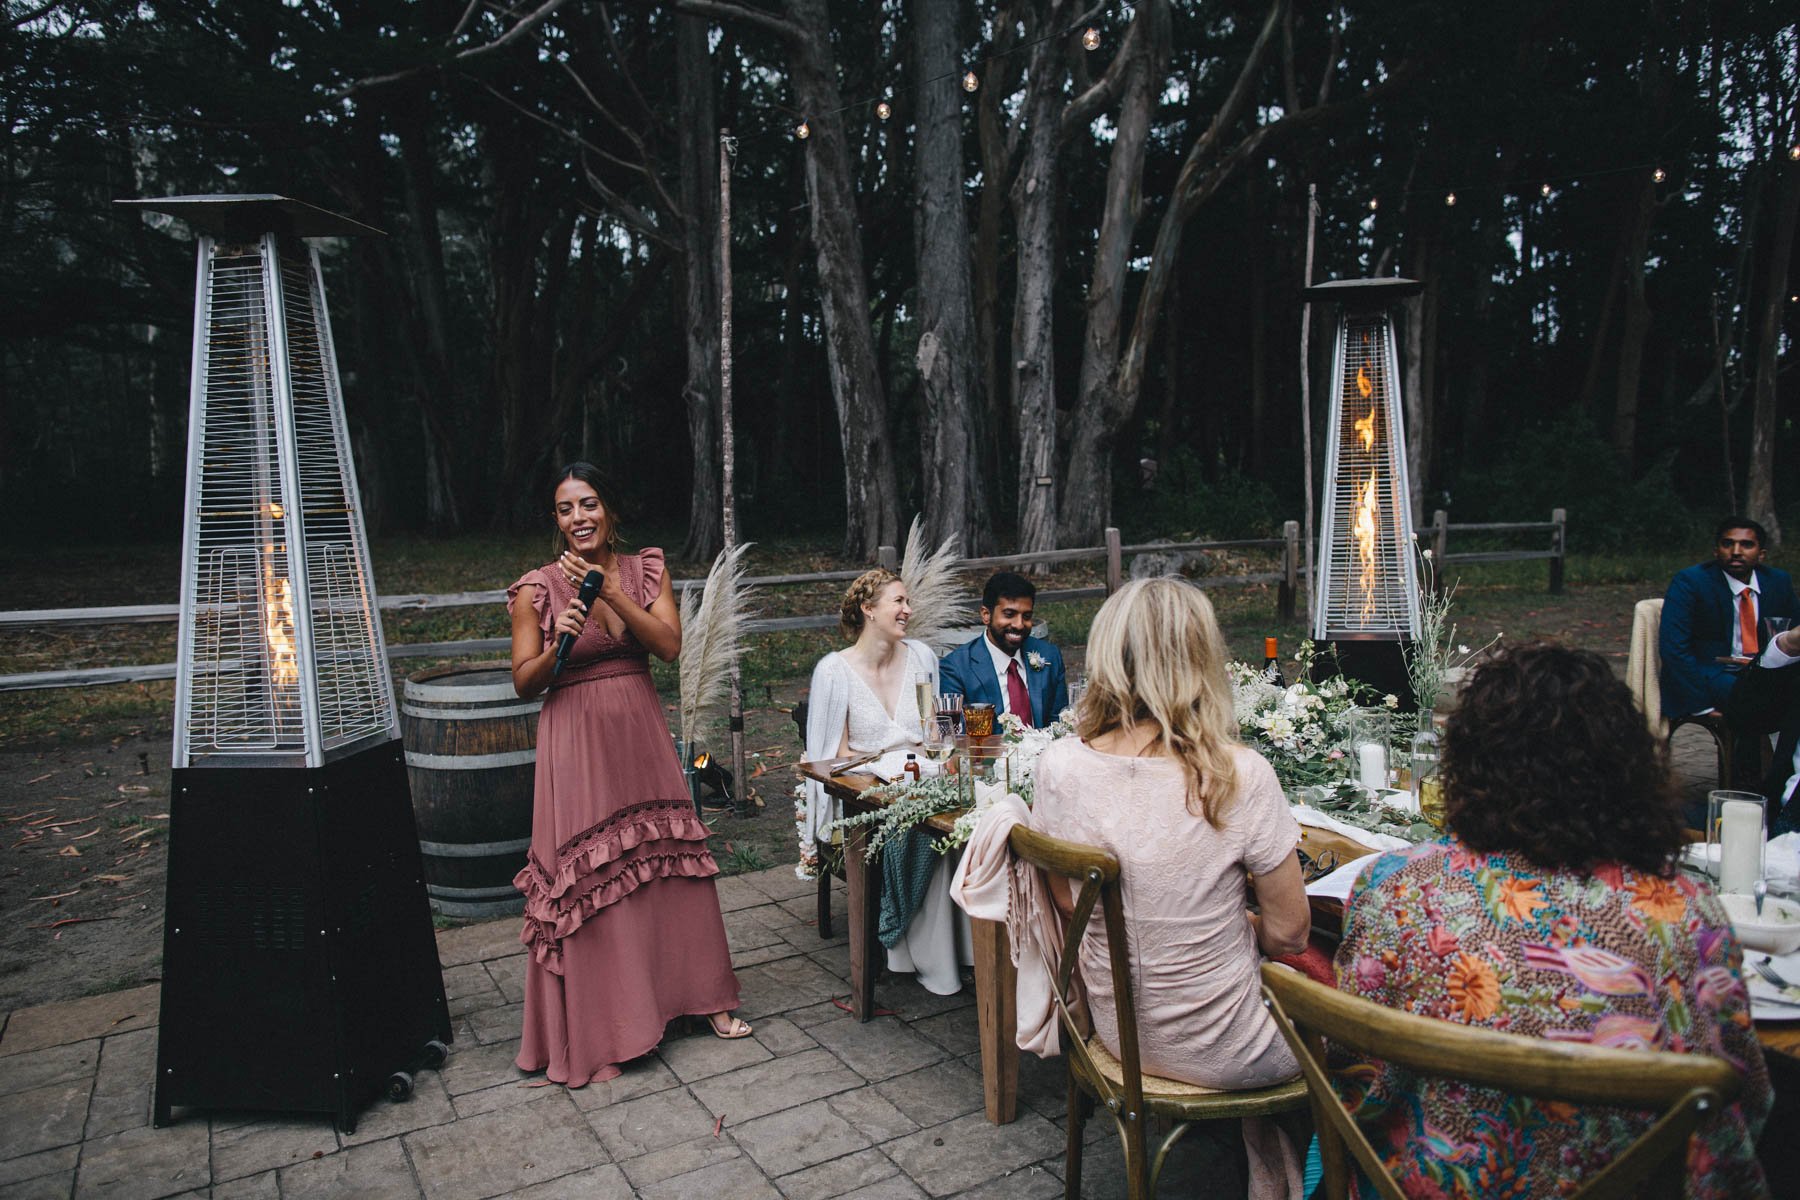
column 1367, row 596
column 300, row 969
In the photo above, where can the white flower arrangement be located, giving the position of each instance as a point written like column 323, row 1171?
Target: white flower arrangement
column 1299, row 728
column 1036, row 661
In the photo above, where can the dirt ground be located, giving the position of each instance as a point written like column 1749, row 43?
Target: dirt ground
column 84, row 819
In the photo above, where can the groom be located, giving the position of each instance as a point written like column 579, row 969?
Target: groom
column 1006, row 666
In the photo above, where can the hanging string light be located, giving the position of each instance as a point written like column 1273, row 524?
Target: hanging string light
column 884, row 110
column 1091, row 39
column 970, row 83
column 1659, row 175
column 1544, row 191
column 1794, row 152
column 1450, row 200
column 1374, row 203
column 803, row 131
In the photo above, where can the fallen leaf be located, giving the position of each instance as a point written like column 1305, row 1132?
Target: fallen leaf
column 123, row 1019
column 157, row 817
column 41, row 778
column 536, row 1083
column 59, row 895
column 113, row 878
column 82, row 837
column 68, row 852
column 718, row 1124
column 72, row 921
column 133, row 787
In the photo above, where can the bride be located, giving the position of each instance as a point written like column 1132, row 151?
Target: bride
column 864, row 700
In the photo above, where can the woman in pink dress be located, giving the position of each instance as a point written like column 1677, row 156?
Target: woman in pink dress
column 1158, row 778
column 621, row 914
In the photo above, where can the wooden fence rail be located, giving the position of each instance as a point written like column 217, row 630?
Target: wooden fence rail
column 1112, row 552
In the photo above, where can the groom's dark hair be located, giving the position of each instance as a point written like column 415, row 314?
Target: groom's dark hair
column 1004, row 585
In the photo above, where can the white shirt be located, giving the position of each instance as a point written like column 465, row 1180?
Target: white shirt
column 1001, row 661
column 1774, row 657
column 1737, row 624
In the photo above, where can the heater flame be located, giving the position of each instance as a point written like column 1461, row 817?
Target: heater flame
column 276, row 511
column 1363, row 525
column 701, row 761
column 1363, row 385
column 1365, row 429
column 278, row 619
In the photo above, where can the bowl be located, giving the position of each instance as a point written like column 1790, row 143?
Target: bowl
column 1776, row 931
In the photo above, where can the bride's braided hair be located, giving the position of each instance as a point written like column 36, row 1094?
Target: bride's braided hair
column 864, row 589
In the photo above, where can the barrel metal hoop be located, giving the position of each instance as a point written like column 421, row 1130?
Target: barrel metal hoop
column 503, row 892
column 462, row 714
column 472, row 849
column 460, row 695
column 471, row 762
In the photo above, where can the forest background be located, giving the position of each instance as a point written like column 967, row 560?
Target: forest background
column 990, row 305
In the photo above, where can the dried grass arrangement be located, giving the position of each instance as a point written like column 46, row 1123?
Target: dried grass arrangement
column 933, row 587
column 712, row 638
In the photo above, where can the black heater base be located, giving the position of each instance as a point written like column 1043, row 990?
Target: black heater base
column 300, row 969
column 1380, row 663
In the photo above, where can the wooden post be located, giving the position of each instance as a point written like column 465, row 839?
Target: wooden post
column 887, row 558
column 1558, row 548
column 1290, row 570
column 1440, row 541
column 728, row 457
column 1115, row 566
column 1312, row 215
column 996, row 1019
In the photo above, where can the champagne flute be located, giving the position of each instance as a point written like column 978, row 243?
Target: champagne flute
column 923, row 696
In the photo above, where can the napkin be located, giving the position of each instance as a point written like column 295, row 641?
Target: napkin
column 891, row 767
column 1308, row 815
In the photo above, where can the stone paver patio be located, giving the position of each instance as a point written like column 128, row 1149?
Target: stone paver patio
column 813, row 1106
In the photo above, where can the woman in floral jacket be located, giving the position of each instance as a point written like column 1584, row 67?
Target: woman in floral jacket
column 1553, row 910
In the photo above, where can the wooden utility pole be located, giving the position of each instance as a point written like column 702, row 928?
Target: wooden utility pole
column 728, row 453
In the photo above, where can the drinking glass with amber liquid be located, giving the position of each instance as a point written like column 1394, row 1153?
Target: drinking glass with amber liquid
column 1428, row 777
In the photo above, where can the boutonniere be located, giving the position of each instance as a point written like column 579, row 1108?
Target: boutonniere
column 1035, row 661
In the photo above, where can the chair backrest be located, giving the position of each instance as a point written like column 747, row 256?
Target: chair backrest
column 1097, row 874
column 1681, row 1088
column 1643, row 667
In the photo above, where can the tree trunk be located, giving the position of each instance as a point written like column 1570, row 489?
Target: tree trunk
column 1635, row 327
column 871, row 505
column 1259, row 326
column 954, row 498
column 700, row 279
column 1760, row 492
column 1416, row 396
column 1033, row 346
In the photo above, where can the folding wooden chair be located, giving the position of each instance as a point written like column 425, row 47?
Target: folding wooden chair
column 1680, row 1088
column 1119, row 1084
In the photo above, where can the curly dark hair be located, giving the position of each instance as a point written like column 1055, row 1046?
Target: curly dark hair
column 1547, row 756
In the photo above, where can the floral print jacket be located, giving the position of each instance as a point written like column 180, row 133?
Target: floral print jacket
column 1616, row 958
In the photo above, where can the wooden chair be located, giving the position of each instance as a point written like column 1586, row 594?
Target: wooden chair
column 1119, row 1084
column 1681, row 1088
column 1643, row 675
column 825, row 850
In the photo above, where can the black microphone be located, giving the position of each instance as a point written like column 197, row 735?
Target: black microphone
column 565, row 645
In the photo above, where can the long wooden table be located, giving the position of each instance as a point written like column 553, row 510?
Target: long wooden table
column 996, row 978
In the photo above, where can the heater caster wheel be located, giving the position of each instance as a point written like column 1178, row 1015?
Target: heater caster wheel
column 434, row 1054
column 399, row 1086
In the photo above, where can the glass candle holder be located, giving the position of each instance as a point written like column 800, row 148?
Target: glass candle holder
column 1735, row 839
column 1371, row 730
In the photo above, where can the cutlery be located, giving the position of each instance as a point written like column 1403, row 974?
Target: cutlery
column 1761, row 892
column 1788, row 991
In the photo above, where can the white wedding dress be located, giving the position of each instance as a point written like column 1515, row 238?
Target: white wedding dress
column 937, row 941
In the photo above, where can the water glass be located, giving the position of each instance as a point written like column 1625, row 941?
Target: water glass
column 978, row 719
column 1735, row 839
column 952, row 706
column 1770, row 627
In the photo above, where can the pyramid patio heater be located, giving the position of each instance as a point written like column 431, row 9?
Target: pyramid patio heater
column 300, row 970
column 1367, row 589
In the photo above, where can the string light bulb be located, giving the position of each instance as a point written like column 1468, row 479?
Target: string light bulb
column 1544, row 191
column 970, row 83
column 1090, row 40
column 803, row 131
column 1794, row 152
column 1374, row 203
column 1450, row 200
column 1659, row 175
column 884, row 110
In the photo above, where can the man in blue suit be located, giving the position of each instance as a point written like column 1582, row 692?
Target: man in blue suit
column 1007, row 667
column 1712, row 612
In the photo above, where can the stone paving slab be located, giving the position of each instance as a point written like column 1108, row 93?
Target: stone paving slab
column 68, row 1021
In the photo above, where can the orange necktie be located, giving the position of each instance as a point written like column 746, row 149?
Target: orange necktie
column 1747, row 622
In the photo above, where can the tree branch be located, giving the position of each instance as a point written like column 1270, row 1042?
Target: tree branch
column 524, row 26
column 728, row 10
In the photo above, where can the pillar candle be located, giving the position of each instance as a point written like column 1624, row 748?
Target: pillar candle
column 1740, row 845
column 1371, row 761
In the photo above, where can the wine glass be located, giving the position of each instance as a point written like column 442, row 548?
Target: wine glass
column 940, row 738
column 923, row 695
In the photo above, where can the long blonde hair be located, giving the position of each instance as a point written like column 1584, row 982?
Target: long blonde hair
column 1155, row 657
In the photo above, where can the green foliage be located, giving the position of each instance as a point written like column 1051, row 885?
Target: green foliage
column 1184, row 502
column 1565, row 463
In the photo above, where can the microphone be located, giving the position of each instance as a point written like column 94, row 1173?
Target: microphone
column 565, row 645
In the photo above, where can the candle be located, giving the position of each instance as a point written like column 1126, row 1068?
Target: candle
column 1740, row 845
column 1371, row 762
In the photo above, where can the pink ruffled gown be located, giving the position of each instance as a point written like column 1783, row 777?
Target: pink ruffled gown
column 621, row 913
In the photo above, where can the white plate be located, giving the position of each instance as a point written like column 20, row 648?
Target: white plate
column 1764, row 1002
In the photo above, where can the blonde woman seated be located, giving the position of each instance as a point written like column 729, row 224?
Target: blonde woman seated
column 864, row 700
column 1157, row 778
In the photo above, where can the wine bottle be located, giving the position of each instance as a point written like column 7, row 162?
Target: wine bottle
column 1272, row 663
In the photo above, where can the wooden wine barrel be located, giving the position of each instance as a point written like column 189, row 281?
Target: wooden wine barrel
column 471, row 757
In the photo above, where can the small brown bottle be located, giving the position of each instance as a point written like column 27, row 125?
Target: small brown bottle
column 912, row 766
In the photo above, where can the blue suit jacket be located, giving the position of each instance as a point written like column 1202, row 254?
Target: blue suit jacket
column 1697, row 619
column 968, row 671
